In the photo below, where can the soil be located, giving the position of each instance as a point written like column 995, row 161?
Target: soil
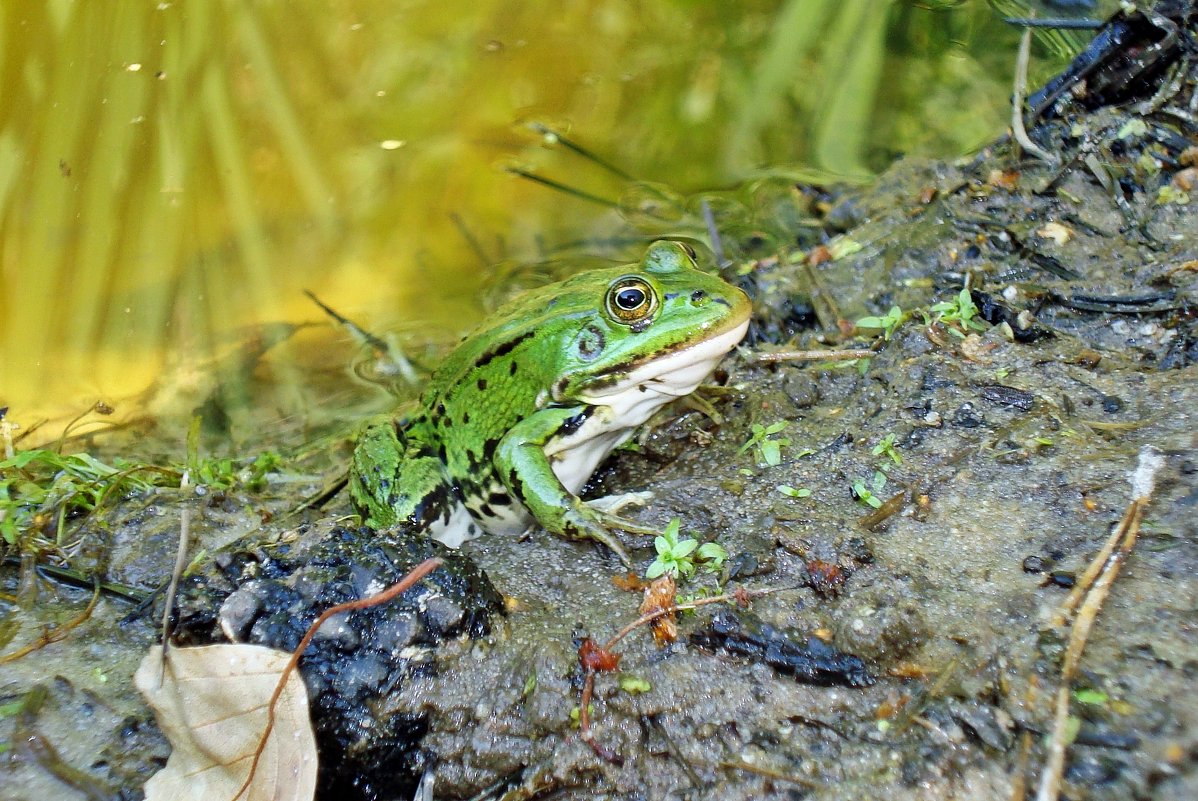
column 1013, row 443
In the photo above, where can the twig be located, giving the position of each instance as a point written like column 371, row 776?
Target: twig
column 1020, row 133
column 483, row 259
column 176, row 574
column 713, row 233
column 563, row 188
column 553, row 137
column 1058, row 23
column 1108, row 561
column 417, row 573
column 399, row 360
column 814, row 355
column 766, row 772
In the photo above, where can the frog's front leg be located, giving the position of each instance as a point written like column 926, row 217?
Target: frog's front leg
column 396, row 480
column 526, row 471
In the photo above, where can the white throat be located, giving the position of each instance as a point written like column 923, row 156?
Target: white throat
column 621, row 407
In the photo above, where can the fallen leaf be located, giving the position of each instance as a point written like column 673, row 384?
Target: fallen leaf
column 212, row 704
column 595, row 659
column 1003, row 180
column 1058, row 233
column 628, row 582
column 659, row 595
column 1186, row 179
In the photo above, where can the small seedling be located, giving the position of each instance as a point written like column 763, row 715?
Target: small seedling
column 678, row 555
column 791, row 492
column 769, row 450
column 888, row 322
column 868, row 495
column 1085, row 695
column 887, row 448
column 960, row 313
column 634, row 684
column 712, row 555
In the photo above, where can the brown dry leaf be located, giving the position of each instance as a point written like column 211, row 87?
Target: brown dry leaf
column 1061, row 234
column 1186, row 179
column 660, row 595
column 212, row 705
column 974, row 348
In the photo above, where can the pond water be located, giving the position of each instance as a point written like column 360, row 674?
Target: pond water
column 172, row 176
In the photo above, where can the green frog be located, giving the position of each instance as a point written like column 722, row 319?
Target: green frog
column 518, row 417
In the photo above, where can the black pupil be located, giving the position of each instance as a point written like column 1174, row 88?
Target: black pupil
column 629, row 299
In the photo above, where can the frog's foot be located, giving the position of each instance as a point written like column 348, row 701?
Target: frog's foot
column 614, row 504
column 583, row 523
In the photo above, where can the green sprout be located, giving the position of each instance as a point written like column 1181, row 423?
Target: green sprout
column 634, row 684
column 960, row 313
column 1086, row 695
column 791, row 492
column 678, row 556
column 769, row 450
column 868, row 494
column 888, row 322
column 886, row 448
column 576, row 717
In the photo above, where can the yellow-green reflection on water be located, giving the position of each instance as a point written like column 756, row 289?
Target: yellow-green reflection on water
column 171, row 173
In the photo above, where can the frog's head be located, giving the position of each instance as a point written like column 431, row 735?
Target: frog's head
column 660, row 328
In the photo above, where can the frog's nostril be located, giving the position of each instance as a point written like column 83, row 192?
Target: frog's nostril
column 698, row 296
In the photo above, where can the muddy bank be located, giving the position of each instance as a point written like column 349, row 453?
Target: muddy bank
column 1010, row 440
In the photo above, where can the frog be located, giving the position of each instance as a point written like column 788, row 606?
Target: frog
column 516, row 419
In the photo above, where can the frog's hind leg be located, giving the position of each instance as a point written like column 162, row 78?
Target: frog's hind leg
column 395, row 480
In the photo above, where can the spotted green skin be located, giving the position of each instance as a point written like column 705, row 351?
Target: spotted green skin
column 516, row 384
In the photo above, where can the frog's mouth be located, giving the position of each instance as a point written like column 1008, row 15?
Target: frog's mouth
column 647, row 386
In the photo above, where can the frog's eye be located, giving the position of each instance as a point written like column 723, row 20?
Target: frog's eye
column 630, row 300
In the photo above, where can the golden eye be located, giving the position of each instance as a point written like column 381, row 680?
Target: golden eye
column 630, row 300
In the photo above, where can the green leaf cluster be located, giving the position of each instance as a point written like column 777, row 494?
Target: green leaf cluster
column 681, row 556
column 888, row 322
column 959, row 313
column 868, row 494
column 769, row 449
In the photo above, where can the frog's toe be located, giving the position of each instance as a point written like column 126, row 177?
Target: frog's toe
column 582, row 527
column 624, row 524
column 613, row 504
